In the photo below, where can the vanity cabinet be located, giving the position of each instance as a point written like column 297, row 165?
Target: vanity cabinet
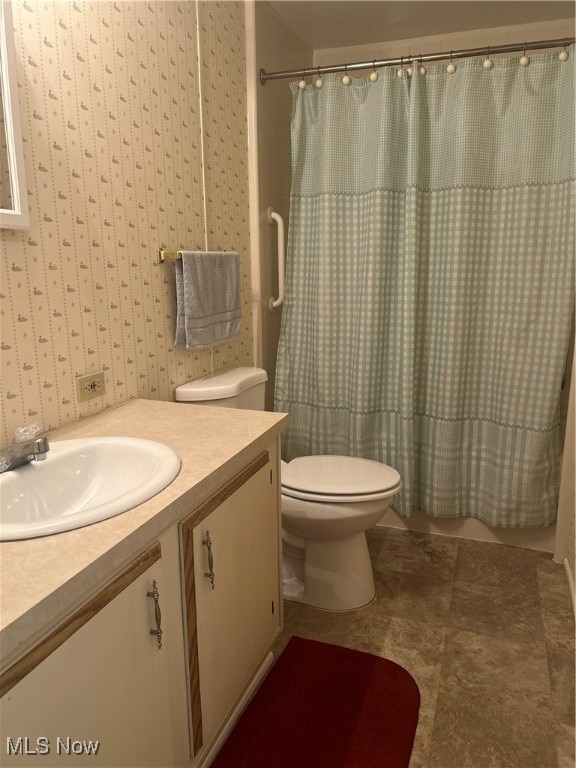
column 96, row 691
column 231, row 551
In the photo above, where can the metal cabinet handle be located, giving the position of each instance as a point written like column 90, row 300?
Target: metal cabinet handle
column 155, row 595
column 210, row 573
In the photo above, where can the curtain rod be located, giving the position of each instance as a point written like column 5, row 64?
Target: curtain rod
column 462, row 54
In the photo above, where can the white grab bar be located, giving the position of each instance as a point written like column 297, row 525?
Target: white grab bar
column 272, row 216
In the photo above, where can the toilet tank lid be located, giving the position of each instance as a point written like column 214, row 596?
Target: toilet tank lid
column 217, row 386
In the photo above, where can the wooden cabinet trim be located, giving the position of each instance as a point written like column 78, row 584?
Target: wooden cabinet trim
column 191, row 624
column 11, row 676
column 227, row 490
column 187, row 531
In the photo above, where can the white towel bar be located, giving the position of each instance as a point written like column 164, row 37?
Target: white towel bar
column 272, row 216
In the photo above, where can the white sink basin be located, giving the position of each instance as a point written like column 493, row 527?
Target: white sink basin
column 82, row 482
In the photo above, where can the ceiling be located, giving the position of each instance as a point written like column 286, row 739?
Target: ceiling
column 334, row 24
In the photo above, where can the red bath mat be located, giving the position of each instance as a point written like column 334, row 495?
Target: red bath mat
column 323, row 706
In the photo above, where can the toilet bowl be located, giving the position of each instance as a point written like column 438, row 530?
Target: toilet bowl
column 328, row 504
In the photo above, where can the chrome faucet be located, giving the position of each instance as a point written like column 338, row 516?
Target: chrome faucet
column 22, row 451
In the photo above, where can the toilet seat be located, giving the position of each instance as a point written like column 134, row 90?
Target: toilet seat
column 338, row 479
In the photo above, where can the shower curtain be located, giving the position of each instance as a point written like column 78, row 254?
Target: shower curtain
column 430, row 282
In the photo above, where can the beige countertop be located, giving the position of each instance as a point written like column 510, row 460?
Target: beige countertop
column 44, row 579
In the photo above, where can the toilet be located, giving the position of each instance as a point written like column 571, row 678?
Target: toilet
column 328, row 504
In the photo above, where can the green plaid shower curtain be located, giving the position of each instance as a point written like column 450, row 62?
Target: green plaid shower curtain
column 430, row 282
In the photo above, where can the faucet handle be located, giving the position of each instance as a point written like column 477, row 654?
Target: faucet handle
column 26, row 432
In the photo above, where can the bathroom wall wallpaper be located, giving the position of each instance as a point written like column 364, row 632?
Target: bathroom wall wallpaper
column 112, row 114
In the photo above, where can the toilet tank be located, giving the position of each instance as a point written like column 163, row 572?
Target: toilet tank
column 235, row 388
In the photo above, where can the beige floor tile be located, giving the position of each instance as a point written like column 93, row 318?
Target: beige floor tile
column 514, row 672
column 415, row 645
column 420, row 756
column 315, row 624
column 565, row 746
column 561, row 670
column 485, row 563
column 413, row 596
column 510, row 610
column 418, row 553
column 558, row 622
column 489, row 731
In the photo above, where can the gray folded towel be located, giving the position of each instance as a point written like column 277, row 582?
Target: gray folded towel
column 207, row 298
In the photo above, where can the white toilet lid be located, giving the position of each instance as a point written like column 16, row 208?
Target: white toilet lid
column 338, row 476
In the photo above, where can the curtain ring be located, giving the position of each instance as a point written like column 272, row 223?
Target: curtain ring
column 421, row 68
column 524, row 60
column 374, row 75
column 563, row 55
column 451, row 68
column 318, row 83
column 401, row 70
column 488, row 63
column 302, row 82
column 345, row 76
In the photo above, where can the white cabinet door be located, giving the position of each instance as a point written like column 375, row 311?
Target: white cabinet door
column 239, row 618
column 102, row 697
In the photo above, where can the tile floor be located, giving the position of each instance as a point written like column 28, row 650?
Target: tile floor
column 486, row 630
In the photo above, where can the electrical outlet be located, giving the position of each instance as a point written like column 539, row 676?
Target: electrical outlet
column 90, row 386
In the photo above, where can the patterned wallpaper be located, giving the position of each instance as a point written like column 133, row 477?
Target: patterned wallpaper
column 112, row 115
